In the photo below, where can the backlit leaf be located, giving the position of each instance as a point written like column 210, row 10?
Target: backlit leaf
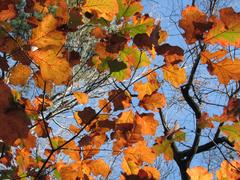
column 106, row 9
column 199, row 173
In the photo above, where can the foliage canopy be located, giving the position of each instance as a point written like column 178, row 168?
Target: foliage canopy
column 135, row 65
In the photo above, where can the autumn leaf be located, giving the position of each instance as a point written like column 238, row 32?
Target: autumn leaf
column 147, row 123
column 172, row 54
column 225, row 70
column 229, row 171
column 7, row 10
column 128, row 8
column 205, row 121
column 13, row 120
column 147, row 88
column 148, row 172
column 52, row 67
column 82, row 98
column 99, row 167
column 105, row 105
column 225, row 31
column 232, row 131
column 106, row 9
column 120, row 99
column 174, row 75
column 199, row 173
column 20, row 74
column 195, row 23
column 163, row 146
column 153, row 102
column 133, row 57
column 141, row 24
column 140, row 153
column 45, row 34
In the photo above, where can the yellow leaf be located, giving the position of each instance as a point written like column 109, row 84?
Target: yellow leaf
column 106, row 9
column 174, row 75
column 199, row 173
column 82, row 98
column 20, row 74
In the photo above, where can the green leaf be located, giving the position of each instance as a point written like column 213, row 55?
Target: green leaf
column 232, row 131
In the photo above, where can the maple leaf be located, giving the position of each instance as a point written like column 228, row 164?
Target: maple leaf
column 106, row 9
column 199, row 173
column 195, row 23
column 153, row 102
column 175, row 75
column 20, row 74
column 225, row 31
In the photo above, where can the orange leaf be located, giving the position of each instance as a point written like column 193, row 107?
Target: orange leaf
column 106, row 9
column 226, row 30
column 194, row 22
column 199, row 173
column 53, row 68
column 225, row 70
column 174, row 75
column 104, row 103
column 45, row 34
column 227, row 171
column 9, row 12
column 146, row 123
column 99, row 167
column 153, row 102
column 148, row 172
column 82, row 98
column 140, row 153
column 147, row 88
column 20, row 74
